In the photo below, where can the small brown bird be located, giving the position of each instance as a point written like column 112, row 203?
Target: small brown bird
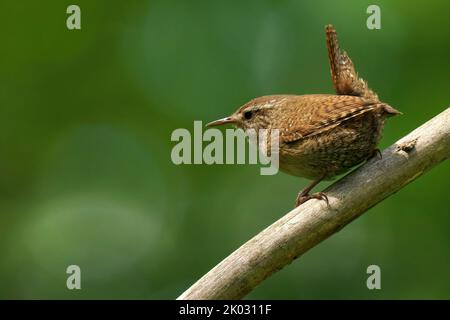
column 321, row 135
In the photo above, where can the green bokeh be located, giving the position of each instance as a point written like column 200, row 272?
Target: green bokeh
column 85, row 122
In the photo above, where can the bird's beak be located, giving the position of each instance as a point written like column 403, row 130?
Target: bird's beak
column 221, row 122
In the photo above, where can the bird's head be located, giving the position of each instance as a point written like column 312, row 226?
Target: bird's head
column 255, row 114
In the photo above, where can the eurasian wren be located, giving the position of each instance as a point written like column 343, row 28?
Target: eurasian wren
column 321, row 135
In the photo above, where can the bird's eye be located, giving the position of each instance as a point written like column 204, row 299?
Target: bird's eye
column 247, row 115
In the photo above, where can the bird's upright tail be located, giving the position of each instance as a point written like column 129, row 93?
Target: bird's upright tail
column 345, row 78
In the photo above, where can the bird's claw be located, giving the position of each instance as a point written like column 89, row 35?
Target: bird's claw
column 302, row 198
column 376, row 153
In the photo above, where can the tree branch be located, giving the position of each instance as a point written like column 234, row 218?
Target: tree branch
column 306, row 226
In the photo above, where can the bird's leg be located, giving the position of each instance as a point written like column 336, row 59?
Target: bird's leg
column 304, row 195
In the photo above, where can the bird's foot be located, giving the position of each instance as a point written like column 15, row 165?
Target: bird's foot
column 375, row 153
column 302, row 198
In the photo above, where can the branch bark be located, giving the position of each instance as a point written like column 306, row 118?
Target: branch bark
column 312, row 222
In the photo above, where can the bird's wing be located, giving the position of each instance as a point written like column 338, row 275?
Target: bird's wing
column 316, row 114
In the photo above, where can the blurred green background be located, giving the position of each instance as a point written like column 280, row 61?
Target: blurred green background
column 85, row 122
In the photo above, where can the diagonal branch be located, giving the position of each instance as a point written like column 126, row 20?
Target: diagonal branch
column 306, row 226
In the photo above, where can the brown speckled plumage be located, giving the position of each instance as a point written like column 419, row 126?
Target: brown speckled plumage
column 321, row 135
